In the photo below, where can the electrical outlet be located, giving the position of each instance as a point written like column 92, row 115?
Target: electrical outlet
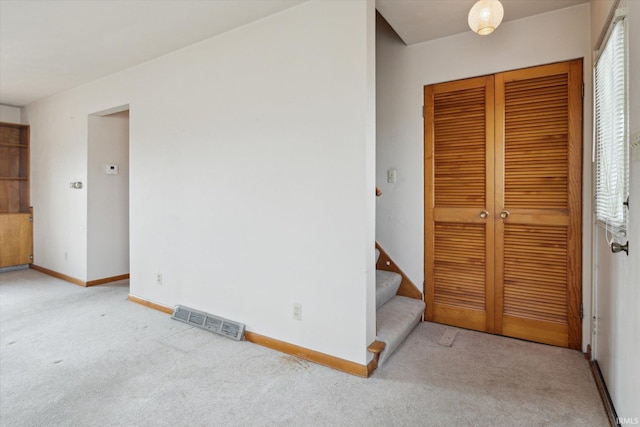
column 159, row 279
column 297, row 311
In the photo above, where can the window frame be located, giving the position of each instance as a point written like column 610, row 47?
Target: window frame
column 611, row 129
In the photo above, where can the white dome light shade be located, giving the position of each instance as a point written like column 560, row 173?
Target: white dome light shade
column 485, row 16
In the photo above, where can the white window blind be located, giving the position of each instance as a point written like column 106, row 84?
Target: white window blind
column 610, row 133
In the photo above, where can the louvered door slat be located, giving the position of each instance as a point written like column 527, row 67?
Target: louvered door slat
column 526, row 260
column 460, row 278
column 535, row 176
column 453, row 141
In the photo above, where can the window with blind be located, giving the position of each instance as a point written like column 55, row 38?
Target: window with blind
column 611, row 132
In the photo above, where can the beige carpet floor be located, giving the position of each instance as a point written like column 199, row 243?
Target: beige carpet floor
column 71, row 356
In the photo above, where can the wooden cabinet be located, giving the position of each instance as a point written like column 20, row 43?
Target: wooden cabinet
column 503, row 157
column 16, row 235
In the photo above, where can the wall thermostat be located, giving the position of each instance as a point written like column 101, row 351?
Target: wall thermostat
column 111, row 169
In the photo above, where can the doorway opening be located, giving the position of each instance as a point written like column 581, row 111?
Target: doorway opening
column 108, row 196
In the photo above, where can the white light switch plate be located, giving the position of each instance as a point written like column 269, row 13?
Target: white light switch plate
column 391, row 176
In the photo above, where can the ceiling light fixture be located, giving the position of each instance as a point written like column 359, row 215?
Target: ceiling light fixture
column 485, row 16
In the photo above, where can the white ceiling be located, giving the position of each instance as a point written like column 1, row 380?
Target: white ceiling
column 48, row 46
column 417, row 21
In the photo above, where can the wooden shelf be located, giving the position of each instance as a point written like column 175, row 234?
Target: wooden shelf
column 22, row 212
column 12, row 145
column 14, row 167
column 16, row 226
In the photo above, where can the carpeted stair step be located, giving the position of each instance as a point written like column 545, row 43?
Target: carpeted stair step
column 387, row 284
column 395, row 320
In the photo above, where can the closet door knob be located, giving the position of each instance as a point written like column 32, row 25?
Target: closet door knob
column 484, row 214
column 504, row 214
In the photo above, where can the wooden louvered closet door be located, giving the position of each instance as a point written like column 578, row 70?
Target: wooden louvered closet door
column 538, row 246
column 459, row 270
column 533, row 190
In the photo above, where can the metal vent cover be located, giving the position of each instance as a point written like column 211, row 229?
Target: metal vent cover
column 209, row 322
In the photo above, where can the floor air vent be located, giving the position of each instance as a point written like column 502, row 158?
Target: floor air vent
column 209, row 322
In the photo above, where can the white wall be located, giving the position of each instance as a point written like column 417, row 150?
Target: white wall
column 108, row 196
column 599, row 11
column 402, row 73
column 251, row 175
column 59, row 156
column 10, row 114
column 370, row 170
column 617, row 276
